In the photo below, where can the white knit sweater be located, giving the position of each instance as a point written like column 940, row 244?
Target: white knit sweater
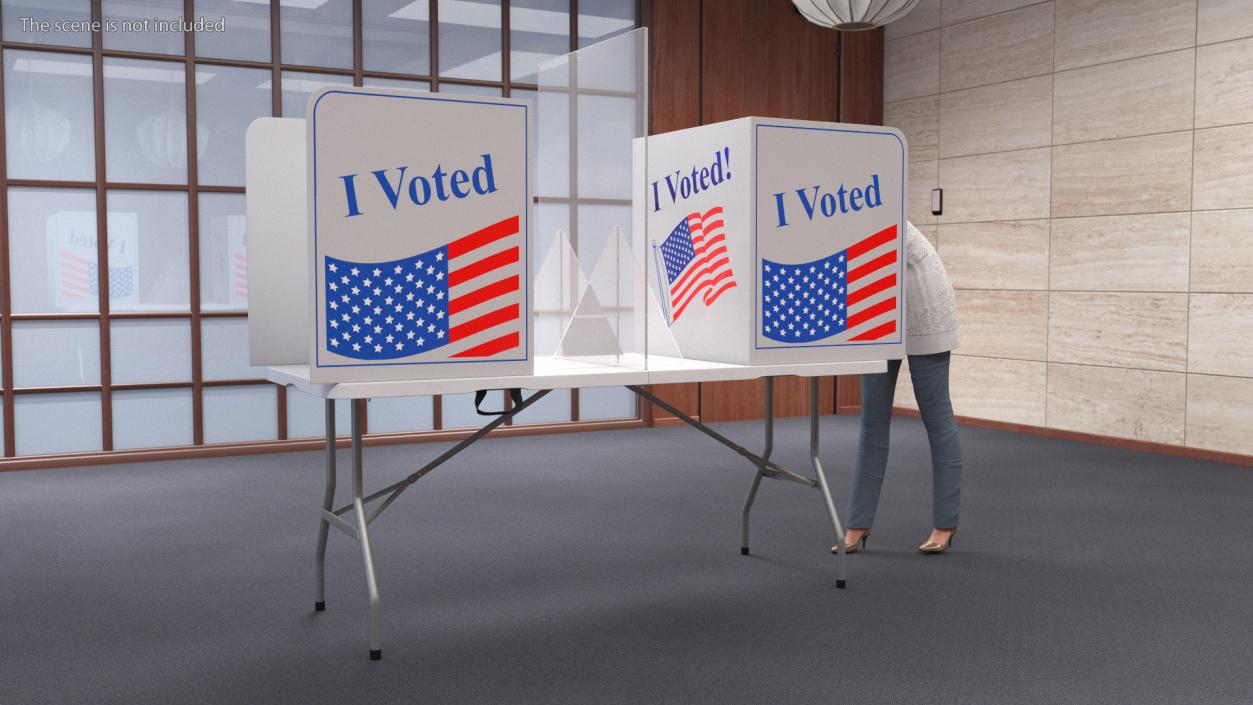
column 930, row 306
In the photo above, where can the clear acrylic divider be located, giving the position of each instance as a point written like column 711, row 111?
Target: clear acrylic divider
column 589, row 300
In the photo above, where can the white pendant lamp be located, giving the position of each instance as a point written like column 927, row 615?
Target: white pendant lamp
column 853, row 14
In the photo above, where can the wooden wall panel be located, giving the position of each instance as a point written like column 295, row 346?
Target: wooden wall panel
column 714, row 60
column 674, row 103
column 763, row 58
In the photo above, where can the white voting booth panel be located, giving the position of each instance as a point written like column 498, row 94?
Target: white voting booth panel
column 773, row 241
column 278, row 246
column 419, row 213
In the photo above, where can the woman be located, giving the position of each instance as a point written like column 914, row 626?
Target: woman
column 931, row 332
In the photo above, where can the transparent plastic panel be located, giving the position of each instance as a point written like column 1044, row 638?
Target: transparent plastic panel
column 592, row 105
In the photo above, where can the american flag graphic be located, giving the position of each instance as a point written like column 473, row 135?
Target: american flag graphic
column 76, row 278
column 696, row 261
column 121, row 281
column 239, row 276
column 465, row 294
column 847, row 294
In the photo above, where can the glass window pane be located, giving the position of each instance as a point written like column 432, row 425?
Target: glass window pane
column 305, row 416
column 52, row 250
column 148, row 260
column 602, row 19
column 458, row 410
column 48, row 117
column 297, row 86
column 240, row 413
column 551, row 409
column 316, row 33
column 227, row 101
column 153, row 26
column 246, row 33
column 464, row 89
column 606, row 128
column 145, row 121
column 43, row 14
column 396, row 36
column 149, row 418
column 596, row 403
column 223, row 252
column 156, row 350
column 224, row 349
column 538, row 29
column 395, row 414
column 57, row 423
column 596, row 225
column 55, row 353
column 396, row 83
column 469, row 39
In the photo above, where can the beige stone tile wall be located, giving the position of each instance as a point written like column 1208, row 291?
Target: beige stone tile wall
column 1098, row 223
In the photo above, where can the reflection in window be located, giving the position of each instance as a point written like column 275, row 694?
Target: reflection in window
column 316, row 32
column 396, row 36
column 52, row 239
column 145, row 120
column 153, row 350
column 148, row 256
column 147, row 418
column 240, row 413
column 48, row 119
column 223, row 252
column 57, row 423
column 130, row 34
column 396, row 83
column 538, row 30
column 226, row 103
column 469, row 89
column 247, row 34
column 55, row 353
column 297, row 87
column 602, row 19
column 50, row 11
column 469, row 39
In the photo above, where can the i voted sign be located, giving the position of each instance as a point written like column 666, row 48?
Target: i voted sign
column 419, row 224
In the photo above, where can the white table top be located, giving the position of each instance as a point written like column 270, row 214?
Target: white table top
column 567, row 373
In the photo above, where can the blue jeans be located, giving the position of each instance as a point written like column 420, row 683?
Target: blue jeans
column 930, row 377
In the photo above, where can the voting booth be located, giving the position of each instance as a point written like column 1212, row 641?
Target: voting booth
column 390, row 245
column 417, row 263
column 771, row 241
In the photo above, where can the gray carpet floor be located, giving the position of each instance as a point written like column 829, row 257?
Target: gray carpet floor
column 605, row 568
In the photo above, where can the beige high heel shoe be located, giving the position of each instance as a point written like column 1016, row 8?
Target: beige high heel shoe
column 936, row 547
column 852, row 547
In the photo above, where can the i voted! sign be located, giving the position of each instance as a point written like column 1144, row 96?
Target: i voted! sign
column 419, row 225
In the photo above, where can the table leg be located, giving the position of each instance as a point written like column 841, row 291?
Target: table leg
column 363, row 534
column 761, row 467
column 328, row 499
column 822, row 481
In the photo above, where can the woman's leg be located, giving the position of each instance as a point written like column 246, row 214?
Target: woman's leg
column 930, row 376
column 877, row 392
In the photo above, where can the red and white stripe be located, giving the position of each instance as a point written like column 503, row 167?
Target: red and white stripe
column 239, row 267
column 485, row 292
column 75, row 277
column 871, row 284
column 709, row 272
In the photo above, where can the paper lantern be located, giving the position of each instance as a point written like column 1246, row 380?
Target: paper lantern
column 854, row 14
column 41, row 133
column 163, row 138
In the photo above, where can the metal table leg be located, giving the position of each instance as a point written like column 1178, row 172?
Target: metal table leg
column 363, row 534
column 822, row 481
column 761, row 467
column 328, row 500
